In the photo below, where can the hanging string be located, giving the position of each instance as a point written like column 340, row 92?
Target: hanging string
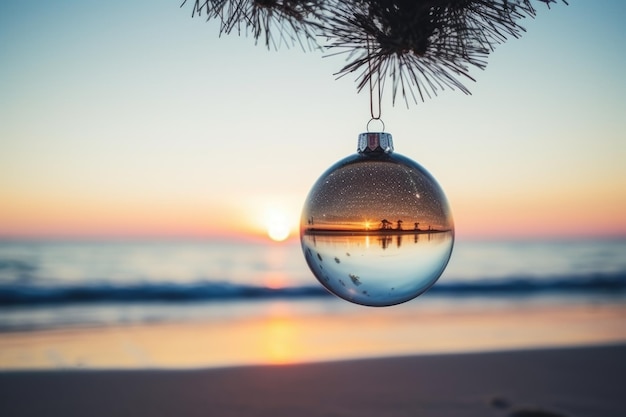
column 375, row 94
column 375, row 90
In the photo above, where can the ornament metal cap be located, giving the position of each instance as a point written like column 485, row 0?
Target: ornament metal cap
column 375, row 142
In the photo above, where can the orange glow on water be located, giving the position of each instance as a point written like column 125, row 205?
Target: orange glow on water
column 280, row 340
column 275, row 280
column 281, row 336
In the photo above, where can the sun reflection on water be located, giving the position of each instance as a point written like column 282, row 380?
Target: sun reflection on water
column 279, row 340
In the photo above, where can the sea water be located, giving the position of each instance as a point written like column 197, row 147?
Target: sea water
column 52, row 284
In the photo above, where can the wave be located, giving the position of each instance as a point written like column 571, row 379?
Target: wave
column 25, row 294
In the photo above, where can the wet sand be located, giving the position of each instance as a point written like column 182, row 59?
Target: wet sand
column 290, row 333
column 524, row 383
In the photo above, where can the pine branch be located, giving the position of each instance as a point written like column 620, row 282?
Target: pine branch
column 422, row 46
column 276, row 22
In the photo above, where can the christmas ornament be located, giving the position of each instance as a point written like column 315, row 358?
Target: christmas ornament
column 376, row 228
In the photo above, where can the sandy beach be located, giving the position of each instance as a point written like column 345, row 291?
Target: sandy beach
column 525, row 383
column 533, row 360
column 279, row 333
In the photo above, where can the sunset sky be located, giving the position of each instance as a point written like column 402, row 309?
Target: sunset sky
column 133, row 119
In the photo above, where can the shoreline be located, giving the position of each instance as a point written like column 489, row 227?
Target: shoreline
column 290, row 333
column 563, row 382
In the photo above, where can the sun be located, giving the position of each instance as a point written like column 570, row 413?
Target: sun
column 277, row 225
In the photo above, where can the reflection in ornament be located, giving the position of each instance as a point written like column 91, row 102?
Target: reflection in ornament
column 353, row 227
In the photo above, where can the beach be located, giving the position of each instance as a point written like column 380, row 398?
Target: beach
column 531, row 359
column 280, row 332
column 525, row 383
column 151, row 329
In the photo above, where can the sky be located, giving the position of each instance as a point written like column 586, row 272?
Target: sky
column 125, row 119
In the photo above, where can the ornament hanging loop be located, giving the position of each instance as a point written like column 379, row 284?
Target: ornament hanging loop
column 377, row 119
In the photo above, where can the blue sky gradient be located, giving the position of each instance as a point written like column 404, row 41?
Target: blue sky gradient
column 127, row 118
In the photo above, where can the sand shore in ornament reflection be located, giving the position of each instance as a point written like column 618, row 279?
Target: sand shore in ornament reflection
column 377, row 268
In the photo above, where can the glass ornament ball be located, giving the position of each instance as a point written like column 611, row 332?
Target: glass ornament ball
column 376, row 228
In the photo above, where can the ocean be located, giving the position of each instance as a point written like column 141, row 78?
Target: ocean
column 64, row 284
